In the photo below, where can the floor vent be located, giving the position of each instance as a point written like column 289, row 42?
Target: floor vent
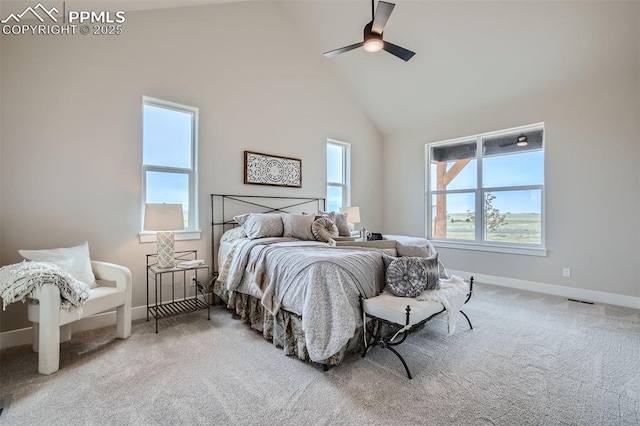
column 4, row 406
column 581, row 301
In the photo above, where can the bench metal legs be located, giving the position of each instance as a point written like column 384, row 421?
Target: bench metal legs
column 468, row 320
column 386, row 344
column 389, row 342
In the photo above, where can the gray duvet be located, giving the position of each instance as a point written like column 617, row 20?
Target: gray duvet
column 319, row 282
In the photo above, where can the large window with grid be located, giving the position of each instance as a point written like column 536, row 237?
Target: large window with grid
column 338, row 175
column 169, row 156
column 487, row 189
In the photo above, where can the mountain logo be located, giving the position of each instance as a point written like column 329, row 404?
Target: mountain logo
column 34, row 12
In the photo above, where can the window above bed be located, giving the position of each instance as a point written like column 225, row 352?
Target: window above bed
column 169, row 158
column 486, row 191
column 338, row 175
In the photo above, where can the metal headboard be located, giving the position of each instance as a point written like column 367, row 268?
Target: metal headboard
column 225, row 206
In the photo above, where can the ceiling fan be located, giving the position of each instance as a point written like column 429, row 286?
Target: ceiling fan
column 521, row 140
column 373, row 35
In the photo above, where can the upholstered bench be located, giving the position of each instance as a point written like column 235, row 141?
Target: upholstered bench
column 404, row 312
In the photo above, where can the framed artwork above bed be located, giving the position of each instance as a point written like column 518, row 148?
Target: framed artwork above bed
column 265, row 169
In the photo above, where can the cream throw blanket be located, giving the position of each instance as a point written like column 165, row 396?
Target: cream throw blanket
column 452, row 294
column 19, row 280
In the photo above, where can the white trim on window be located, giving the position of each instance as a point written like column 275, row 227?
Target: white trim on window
column 346, row 171
column 192, row 230
column 474, row 146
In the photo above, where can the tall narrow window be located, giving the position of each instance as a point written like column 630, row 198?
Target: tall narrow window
column 487, row 189
column 338, row 171
column 169, row 156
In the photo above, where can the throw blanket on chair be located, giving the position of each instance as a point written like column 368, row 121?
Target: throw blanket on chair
column 452, row 294
column 19, row 280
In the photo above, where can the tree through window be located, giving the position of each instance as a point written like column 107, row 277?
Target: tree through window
column 499, row 174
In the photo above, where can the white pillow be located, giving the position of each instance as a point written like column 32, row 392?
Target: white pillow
column 242, row 218
column 233, row 234
column 74, row 260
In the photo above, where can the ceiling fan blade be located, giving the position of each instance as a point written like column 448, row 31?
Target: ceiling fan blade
column 382, row 16
column 398, row 51
column 332, row 53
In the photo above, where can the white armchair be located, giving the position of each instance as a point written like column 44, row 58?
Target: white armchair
column 52, row 324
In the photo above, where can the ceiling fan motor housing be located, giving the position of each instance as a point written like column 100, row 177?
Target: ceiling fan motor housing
column 372, row 41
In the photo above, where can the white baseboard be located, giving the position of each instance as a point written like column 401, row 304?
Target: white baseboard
column 23, row 336
column 12, row 338
column 556, row 290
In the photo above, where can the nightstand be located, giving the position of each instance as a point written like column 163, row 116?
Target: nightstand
column 183, row 283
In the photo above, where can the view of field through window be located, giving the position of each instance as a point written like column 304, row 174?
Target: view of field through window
column 167, row 156
column 505, row 184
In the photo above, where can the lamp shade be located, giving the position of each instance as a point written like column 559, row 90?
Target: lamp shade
column 163, row 217
column 353, row 214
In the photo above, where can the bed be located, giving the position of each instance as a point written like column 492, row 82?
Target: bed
column 301, row 294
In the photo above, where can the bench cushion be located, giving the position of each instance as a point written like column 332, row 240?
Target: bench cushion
column 393, row 309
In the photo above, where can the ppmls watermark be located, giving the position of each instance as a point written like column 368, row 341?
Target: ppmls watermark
column 59, row 21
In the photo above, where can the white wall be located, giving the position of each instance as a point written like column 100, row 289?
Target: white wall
column 592, row 149
column 71, row 134
column 1, row 147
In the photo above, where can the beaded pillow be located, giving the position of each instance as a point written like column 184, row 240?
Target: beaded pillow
column 406, row 276
column 410, row 276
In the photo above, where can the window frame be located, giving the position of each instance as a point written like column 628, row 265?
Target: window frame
column 480, row 243
column 346, row 171
column 193, row 230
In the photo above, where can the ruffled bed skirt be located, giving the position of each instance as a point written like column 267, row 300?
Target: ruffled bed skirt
column 283, row 329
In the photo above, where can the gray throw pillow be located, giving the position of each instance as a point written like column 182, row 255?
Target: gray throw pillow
column 432, row 268
column 298, row 226
column 341, row 222
column 415, row 250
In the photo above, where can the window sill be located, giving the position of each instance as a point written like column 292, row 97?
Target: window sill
column 527, row 251
column 150, row 237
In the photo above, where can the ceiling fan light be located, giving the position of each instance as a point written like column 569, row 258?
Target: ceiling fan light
column 522, row 140
column 373, row 45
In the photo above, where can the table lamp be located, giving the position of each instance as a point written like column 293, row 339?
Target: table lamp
column 164, row 218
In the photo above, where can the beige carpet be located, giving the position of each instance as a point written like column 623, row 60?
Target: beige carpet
column 531, row 360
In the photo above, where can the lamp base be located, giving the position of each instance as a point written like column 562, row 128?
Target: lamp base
column 166, row 250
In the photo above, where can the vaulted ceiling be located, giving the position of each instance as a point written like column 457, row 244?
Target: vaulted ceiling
column 469, row 54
